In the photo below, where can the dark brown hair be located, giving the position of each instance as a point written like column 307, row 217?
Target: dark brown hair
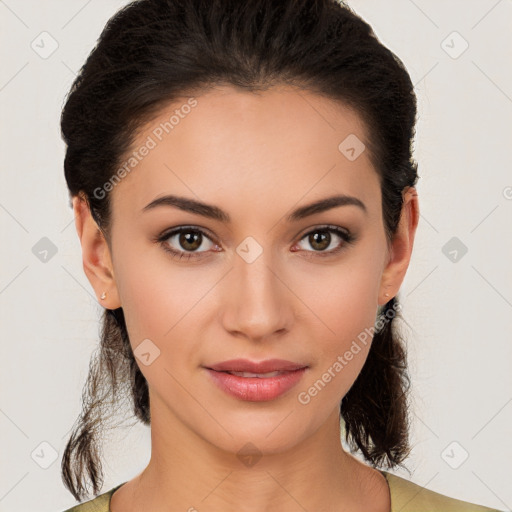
column 153, row 51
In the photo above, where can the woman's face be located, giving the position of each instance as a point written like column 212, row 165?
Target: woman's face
column 269, row 283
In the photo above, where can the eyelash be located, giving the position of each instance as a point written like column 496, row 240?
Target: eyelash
column 346, row 236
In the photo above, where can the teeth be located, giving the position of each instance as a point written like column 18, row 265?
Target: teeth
column 258, row 375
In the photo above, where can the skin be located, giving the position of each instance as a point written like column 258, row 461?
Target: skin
column 256, row 156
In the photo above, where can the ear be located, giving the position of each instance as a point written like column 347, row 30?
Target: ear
column 96, row 257
column 401, row 246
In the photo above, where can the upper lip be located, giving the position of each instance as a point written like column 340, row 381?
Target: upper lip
column 244, row 365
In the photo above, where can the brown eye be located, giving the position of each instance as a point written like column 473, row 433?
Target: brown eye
column 320, row 242
column 321, row 239
column 190, row 240
column 186, row 242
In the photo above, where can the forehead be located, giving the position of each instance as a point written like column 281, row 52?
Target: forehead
column 254, row 144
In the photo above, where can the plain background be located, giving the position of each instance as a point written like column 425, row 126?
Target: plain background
column 458, row 306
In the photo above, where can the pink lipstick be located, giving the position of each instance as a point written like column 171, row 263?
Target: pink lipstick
column 256, row 381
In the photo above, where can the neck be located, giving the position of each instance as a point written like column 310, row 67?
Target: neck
column 191, row 474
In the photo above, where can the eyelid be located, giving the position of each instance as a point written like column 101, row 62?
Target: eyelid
column 324, row 227
column 167, row 233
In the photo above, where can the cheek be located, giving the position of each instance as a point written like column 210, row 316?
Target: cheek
column 153, row 305
column 346, row 298
column 148, row 301
column 347, row 306
column 161, row 302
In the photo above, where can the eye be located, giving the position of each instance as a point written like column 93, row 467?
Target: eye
column 321, row 239
column 187, row 241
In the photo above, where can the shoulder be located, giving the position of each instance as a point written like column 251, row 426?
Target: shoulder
column 99, row 504
column 406, row 496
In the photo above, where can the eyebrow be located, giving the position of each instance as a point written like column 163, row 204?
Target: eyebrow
column 214, row 212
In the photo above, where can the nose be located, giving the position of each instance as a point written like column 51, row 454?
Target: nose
column 256, row 302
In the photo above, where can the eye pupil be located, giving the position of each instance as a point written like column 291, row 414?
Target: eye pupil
column 188, row 240
column 325, row 236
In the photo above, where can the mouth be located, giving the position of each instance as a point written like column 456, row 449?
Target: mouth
column 256, row 375
column 256, row 382
column 239, row 366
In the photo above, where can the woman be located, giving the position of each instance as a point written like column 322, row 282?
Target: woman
column 244, row 193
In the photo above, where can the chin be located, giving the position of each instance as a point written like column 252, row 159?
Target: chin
column 252, row 436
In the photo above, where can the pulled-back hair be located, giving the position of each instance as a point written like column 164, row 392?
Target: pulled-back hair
column 152, row 52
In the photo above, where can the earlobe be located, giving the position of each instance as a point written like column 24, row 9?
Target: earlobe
column 96, row 258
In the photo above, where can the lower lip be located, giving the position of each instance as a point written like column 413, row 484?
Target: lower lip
column 254, row 389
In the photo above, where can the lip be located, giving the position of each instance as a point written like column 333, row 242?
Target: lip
column 256, row 389
column 245, row 365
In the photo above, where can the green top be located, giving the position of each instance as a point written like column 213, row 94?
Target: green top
column 406, row 496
